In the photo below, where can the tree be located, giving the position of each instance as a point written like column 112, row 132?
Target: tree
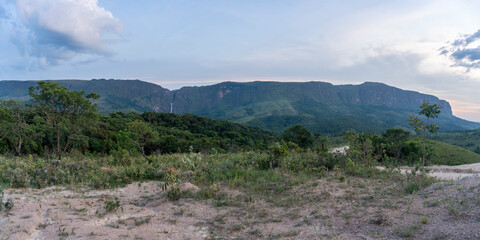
column 365, row 145
column 67, row 112
column 321, row 142
column 144, row 134
column 4, row 129
column 430, row 112
column 477, row 150
column 14, row 123
column 299, row 135
column 395, row 140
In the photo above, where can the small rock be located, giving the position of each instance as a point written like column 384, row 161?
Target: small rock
column 186, row 186
column 105, row 169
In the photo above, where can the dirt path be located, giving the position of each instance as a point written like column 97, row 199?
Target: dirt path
column 455, row 172
column 443, row 172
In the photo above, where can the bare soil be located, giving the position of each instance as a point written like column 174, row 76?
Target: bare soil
column 443, row 172
column 323, row 208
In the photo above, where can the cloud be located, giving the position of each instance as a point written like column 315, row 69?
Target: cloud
column 55, row 31
column 465, row 51
column 467, row 39
column 471, row 55
column 3, row 12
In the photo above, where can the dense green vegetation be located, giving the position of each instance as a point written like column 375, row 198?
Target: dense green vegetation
column 320, row 107
column 466, row 139
column 60, row 139
column 299, row 135
column 58, row 121
column 134, row 133
column 258, row 173
column 396, row 147
column 446, row 154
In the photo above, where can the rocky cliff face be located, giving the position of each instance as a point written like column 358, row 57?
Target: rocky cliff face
column 194, row 99
column 131, row 95
column 321, row 106
column 379, row 94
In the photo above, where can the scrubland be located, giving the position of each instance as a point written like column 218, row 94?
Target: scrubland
column 247, row 195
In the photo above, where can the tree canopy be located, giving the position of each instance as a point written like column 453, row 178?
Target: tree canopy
column 58, row 121
column 298, row 134
column 67, row 112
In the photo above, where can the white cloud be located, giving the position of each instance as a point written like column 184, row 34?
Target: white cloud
column 55, row 31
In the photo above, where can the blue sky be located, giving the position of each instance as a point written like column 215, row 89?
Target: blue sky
column 427, row 46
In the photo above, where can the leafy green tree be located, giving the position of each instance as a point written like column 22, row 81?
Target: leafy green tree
column 67, row 112
column 144, row 134
column 125, row 140
column 321, row 142
column 168, row 144
column 395, row 140
column 299, row 135
column 15, row 126
column 4, row 129
column 423, row 128
column 364, row 145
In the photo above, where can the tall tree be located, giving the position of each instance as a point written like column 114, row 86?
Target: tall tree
column 321, row 142
column 430, row 112
column 15, row 124
column 299, row 135
column 395, row 139
column 4, row 128
column 66, row 111
column 144, row 134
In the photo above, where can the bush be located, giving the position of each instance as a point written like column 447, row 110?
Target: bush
column 98, row 172
column 171, row 184
column 298, row 135
column 111, row 204
column 8, row 205
column 311, row 161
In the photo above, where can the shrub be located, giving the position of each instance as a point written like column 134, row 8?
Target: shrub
column 171, row 184
column 111, row 204
column 8, row 205
column 412, row 187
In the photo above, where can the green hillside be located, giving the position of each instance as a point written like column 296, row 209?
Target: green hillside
column 321, row 107
column 468, row 139
column 448, row 154
column 116, row 95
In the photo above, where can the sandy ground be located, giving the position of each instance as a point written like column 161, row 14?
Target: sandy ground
column 144, row 213
column 441, row 172
column 444, row 172
column 455, row 172
column 323, row 208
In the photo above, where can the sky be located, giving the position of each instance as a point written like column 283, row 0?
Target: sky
column 430, row 46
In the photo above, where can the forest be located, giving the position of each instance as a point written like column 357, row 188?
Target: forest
column 56, row 122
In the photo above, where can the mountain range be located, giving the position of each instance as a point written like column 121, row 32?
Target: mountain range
column 320, row 106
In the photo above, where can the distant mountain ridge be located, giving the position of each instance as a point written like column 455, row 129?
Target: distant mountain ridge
column 320, row 106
